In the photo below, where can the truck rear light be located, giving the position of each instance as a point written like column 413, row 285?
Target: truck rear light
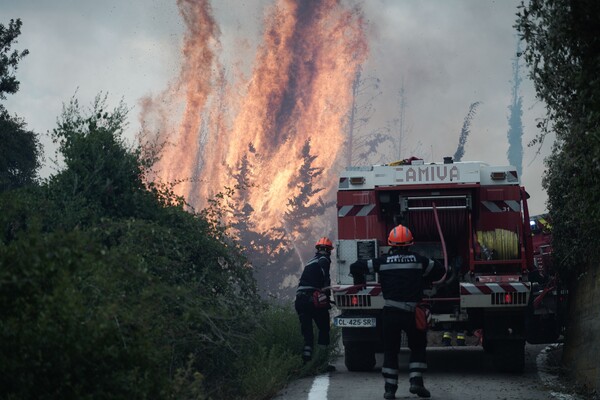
column 354, row 300
column 507, row 298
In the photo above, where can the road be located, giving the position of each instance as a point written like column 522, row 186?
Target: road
column 457, row 373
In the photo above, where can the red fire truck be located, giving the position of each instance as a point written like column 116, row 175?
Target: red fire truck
column 548, row 305
column 471, row 216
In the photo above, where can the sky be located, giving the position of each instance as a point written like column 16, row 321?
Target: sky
column 444, row 54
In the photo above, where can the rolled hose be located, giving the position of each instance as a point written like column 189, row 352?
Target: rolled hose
column 439, row 228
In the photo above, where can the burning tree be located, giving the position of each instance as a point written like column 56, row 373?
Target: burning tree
column 264, row 249
column 306, row 205
column 464, row 132
column 300, row 83
column 277, row 253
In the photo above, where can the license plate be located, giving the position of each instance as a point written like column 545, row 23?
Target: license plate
column 355, row 322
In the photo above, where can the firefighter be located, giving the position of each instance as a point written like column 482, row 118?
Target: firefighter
column 312, row 298
column 402, row 274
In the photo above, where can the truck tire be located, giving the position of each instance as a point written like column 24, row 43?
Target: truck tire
column 487, row 346
column 542, row 331
column 509, row 355
column 359, row 356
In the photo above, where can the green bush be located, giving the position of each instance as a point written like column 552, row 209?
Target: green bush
column 57, row 340
column 109, row 289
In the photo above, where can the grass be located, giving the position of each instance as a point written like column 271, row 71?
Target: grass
column 274, row 358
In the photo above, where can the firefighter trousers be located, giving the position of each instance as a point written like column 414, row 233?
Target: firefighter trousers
column 307, row 313
column 394, row 322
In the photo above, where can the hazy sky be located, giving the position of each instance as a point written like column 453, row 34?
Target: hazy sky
column 446, row 54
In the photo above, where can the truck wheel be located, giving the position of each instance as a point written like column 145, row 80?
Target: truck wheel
column 487, row 346
column 542, row 330
column 359, row 356
column 509, row 355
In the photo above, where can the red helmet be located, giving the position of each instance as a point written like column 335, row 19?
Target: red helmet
column 324, row 242
column 400, row 236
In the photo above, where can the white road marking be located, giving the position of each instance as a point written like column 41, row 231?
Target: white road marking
column 318, row 391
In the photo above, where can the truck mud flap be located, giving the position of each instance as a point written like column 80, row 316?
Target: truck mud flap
column 359, row 356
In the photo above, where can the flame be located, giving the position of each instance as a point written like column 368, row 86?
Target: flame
column 187, row 96
column 299, row 90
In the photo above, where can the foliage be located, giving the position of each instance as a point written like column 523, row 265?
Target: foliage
column 19, row 154
column 109, row 289
column 61, row 335
column 464, row 132
column 300, row 210
column 20, row 151
column 563, row 50
column 109, row 179
column 9, row 60
column 260, row 247
column 272, row 359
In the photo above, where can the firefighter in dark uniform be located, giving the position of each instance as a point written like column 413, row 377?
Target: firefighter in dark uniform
column 312, row 298
column 402, row 274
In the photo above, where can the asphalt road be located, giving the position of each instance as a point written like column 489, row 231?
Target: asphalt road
column 456, row 373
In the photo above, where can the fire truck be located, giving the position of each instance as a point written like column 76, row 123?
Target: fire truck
column 473, row 218
column 548, row 306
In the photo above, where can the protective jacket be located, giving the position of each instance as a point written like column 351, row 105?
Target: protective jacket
column 316, row 273
column 402, row 275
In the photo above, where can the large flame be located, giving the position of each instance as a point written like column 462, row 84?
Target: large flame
column 300, row 89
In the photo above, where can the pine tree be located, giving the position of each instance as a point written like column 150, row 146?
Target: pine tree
column 515, row 125
column 464, row 133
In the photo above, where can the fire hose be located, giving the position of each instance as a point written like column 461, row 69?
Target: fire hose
column 538, row 300
column 439, row 228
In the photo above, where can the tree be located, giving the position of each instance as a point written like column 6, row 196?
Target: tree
column 265, row 250
column 563, row 51
column 515, row 124
column 9, row 60
column 20, row 151
column 19, row 154
column 304, row 206
column 109, row 291
column 101, row 171
column 464, row 132
column 301, row 207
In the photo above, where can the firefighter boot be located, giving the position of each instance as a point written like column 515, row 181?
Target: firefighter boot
column 417, row 387
column 390, row 391
column 447, row 339
column 460, row 339
column 306, row 354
